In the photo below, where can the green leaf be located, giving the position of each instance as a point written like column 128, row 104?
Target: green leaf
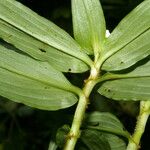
column 52, row 145
column 81, row 148
column 36, row 26
column 94, row 140
column 130, row 54
column 33, row 93
column 62, row 135
column 88, row 24
column 105, row 122
column 28, row 67
column 141, row 71
column 130, row 37
column 91, row 139
column 41, row 51
column 134, row 85
column 33, row 83
column 115, row 142
column 127, row 89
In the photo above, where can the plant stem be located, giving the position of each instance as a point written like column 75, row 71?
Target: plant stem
column 80, row 110
column 134, row 144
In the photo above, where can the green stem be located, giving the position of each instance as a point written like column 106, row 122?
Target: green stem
column 80, row 110
column 134, row 143
column 75, row 129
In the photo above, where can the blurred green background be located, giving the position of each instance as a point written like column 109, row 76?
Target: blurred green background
column 22, row 127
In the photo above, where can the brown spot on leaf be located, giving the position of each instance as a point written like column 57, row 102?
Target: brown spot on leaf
column 109, row 90
column 69, row 69
column 42, row 50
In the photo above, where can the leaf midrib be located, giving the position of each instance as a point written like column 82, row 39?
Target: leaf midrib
column 41, row 81
column 109, row 53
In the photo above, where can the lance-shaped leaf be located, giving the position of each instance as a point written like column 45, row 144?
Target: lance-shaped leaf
column 36, row 26
column 105, row 122
column 127, row 89
column 130, row 54
column 132, row 86
column 33, row 93
column 141, row 71
column 115, row 142
column 27, row 66
column 91, row 139
column 128, row 38
column 33, row 83
column 88, row 24
column 94, row 140
column 41, row 51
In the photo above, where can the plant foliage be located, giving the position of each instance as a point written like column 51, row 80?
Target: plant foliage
column 32, row 68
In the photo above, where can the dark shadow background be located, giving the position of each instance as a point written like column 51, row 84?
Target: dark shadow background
column 22, row 127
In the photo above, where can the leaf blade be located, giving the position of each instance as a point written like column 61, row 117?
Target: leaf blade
column 134, row 85
column 115, row 142
column 33, row 93
column 94, row 140
column 105, row 122
column 127, row 89
column 36, row 26
column 33, row 83
column 31, row 68
column 41, row 51
column 137, row 23
column 88, row 24
column 130, row 54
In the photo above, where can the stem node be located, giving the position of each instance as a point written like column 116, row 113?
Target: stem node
column 134, row 142
column 80, row 110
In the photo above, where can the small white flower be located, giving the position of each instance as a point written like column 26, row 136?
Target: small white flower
column 107, row 33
